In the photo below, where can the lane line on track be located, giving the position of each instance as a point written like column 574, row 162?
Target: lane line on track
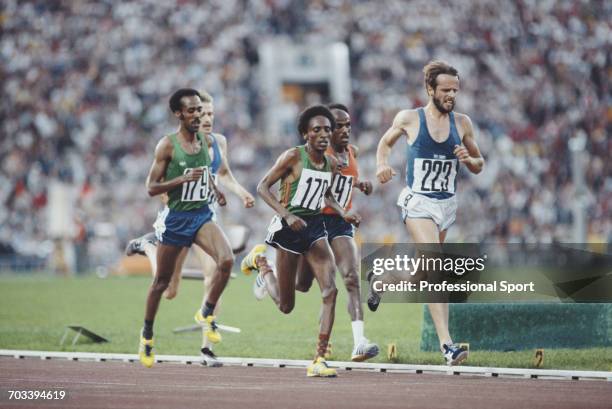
column 292, row 363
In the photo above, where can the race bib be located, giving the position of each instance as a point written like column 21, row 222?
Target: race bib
column 434, row 175
column 212, row 198
column 342, row 189
column 311, row 189
column 196, row 190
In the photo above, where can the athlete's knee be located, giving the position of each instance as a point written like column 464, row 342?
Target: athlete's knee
column 329, row 293
column 225, row 263
column 351, row 281
column 160, row 284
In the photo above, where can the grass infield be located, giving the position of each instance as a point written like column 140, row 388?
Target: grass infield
column 34, row 310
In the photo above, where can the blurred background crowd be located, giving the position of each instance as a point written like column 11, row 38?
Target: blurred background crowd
column 85, row 99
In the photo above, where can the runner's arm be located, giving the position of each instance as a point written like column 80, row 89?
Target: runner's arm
column 365, row 186
column 283, row 166
column 331, row 201
column 227, row 179
column 155, row 180
column 469, row 154
column 384, row 172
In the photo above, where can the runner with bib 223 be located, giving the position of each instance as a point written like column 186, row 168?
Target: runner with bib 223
column 438, row 140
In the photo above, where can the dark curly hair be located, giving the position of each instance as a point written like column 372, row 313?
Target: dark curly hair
column 312, row 111
column 338, row 106
column 175, row 99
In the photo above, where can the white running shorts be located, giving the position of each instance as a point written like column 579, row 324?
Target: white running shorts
column 417, row 206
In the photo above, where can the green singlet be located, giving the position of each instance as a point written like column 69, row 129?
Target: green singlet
column 190, row 195
column 304, row 196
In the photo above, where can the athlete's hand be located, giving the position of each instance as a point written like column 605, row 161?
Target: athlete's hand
column 295, row 223
column 194, row 174
column 365, row 187
column 248, row 200
column 352, row 218
column 384, row 173
column 462, row 154
column 164, row 198
column 221, row 200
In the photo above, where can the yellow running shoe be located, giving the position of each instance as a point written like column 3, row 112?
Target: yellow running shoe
column 319, row 368
column 145, row 352
column 247, row 265
column 210, row 327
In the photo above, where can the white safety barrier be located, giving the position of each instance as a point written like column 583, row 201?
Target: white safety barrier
column 292, row 363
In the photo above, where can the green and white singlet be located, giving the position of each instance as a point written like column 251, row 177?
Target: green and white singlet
column 304, row 196
column 190, row 195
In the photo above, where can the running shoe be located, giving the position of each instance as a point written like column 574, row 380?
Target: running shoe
column 454, row 354
column 136, row 246
column 209, row 326
column 319, row 368
column 209, row 358
column 373, row 297
column 364, row 350
column 145, row 351
column 248, row 263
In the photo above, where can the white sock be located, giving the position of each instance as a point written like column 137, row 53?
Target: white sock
column 270, row 255
column 207, row 344
column 151, row 251
column 357, row 331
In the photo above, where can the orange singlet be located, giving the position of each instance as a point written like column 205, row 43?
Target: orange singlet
column 342, row 186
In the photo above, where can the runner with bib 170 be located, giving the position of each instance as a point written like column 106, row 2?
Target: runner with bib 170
column 305, row 173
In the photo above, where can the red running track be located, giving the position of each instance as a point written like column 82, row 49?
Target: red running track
column 167, row 385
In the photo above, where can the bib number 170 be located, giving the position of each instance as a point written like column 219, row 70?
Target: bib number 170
column 311, row 189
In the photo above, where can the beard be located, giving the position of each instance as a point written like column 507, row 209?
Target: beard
column 440, row 106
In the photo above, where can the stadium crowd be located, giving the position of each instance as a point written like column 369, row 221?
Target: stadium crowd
column 86, row 85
